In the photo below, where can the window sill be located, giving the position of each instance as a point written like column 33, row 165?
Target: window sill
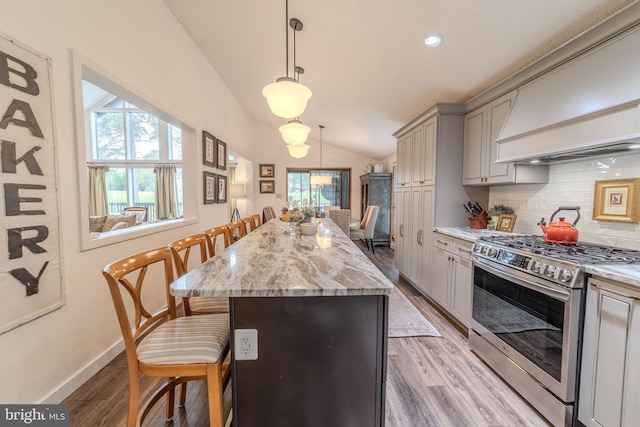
column 96, row 240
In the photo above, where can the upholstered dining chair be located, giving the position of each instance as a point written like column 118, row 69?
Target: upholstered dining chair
column 181, row 250
column 160, row 344
column 342, row 218
column 268, row 213
column 212, row 238
column 367, row 226
column 238, row 226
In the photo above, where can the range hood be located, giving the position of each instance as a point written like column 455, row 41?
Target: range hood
column 589, row 106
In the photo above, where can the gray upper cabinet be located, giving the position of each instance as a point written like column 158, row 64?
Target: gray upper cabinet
column 481, row 129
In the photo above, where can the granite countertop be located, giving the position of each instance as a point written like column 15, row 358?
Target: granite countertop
column 269, row 263
column 624, row 273
column 467, row 233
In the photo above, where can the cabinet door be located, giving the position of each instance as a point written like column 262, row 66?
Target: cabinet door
column 630, row 403
column 474, row 137
column 417, row 170
column 441, row 272
column 403, row 228
column 461, row 290
column 429, row 152
column 405, row 160
column 497, row 112
column 605, row 357
column 426, row 240
column 414, row 250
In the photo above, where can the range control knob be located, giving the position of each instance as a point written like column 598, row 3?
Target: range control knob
column 550, row 271
column 484, row 250
column 536, row 267
column 565, row 276
column 493, row 252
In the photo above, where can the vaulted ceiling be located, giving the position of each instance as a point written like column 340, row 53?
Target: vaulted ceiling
column 365, row 60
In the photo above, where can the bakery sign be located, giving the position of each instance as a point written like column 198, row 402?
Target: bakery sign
column 30, row 257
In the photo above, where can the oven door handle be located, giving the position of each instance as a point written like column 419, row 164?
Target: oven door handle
column 521, row 279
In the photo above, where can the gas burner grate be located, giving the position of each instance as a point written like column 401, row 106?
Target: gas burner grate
column 580, row 253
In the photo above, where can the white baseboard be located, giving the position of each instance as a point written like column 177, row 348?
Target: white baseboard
column 74, row 382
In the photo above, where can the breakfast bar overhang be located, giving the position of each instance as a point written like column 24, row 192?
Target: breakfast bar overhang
column 320, row 316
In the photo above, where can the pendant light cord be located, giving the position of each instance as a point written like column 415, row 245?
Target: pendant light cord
column 286, row 29
column 321, row 127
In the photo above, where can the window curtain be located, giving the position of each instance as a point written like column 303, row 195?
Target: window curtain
column 166, row 205
column 98, row 203
column 345, row 189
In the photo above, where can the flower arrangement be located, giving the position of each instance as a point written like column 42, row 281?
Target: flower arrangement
column 308, row 211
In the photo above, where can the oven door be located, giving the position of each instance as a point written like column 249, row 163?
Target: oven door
column 533, row 322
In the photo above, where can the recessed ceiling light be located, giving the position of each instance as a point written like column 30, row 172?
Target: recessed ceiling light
column 433, row 40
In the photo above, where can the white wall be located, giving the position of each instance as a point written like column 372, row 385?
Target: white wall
column 273, row 150
column 573, row 184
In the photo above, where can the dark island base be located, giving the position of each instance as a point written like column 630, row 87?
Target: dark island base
column 321, row 361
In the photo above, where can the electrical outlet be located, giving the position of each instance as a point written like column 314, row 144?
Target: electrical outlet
column 246, row 344
column 525, row 204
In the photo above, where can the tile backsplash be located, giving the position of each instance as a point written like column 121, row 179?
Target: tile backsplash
column 573, row 184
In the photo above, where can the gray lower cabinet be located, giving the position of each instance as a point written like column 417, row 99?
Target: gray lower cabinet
column 610, row 379
column 376, row 191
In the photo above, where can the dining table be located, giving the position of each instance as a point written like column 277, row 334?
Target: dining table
column 308, row 318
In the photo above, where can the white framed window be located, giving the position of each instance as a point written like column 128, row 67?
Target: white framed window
column 129, row 139
column 131, row 142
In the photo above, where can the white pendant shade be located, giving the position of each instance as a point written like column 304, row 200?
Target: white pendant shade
column 298, row 151
column 320, row 180
column 286, row 97
column 294, row 132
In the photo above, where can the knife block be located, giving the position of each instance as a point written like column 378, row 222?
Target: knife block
column 479, row 222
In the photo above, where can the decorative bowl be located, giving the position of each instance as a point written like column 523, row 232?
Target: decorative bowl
column 308, row 228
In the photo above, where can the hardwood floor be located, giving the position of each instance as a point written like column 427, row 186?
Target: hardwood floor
column 431, row 381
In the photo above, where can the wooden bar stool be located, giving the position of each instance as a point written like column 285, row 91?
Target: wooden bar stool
column 249, row 224
column 212, row 238
column 256, row 220
column 181, row 250
column 240, row 227
column 179, row 349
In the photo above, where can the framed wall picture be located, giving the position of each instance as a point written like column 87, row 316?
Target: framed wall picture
column 208, row 149
column 267, row 186
column 616, row 200
column 221, row 189
column 221, row 155
column 267, row 171
column 506, row 223
column 209, row 187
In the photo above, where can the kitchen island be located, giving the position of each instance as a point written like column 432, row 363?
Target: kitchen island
column 320, row 317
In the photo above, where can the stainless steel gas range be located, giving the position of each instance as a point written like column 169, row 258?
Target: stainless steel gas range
column 528, row 315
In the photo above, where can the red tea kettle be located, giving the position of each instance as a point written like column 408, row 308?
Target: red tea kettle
column 561, row 232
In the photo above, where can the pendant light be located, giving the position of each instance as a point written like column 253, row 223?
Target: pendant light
column 294, row 132
column 298, row 151
column 320, row 180
column 287, row 98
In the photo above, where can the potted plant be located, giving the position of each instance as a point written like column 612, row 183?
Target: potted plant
column 495, row 212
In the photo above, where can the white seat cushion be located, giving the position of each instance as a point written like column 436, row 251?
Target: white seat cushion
column 209, row 305
column 190, row 339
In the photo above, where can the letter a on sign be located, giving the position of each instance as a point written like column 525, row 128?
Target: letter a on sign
column 30, row 264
